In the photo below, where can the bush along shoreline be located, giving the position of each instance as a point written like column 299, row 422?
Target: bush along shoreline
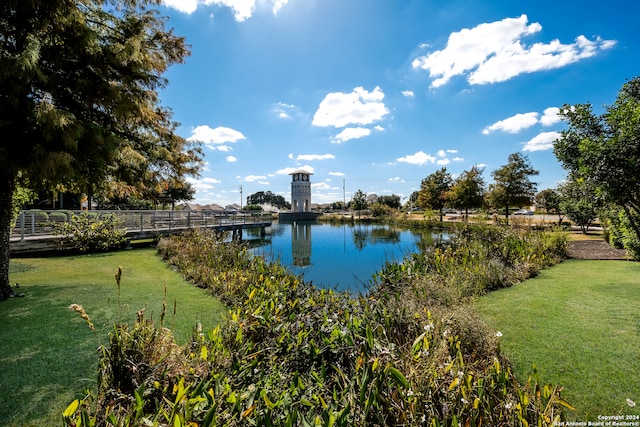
column 411, row 352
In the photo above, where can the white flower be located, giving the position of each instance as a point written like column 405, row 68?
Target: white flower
column 465, row 401
column 409, row 393
column 429, row 327
column 631, row 402
column 423, row 419
column 508, row 405
column 498, row 334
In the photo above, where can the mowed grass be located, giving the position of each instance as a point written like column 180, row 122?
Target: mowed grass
column 579, row 323
column 48, row 354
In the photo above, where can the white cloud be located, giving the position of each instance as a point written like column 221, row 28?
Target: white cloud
column 287, row 171
column 321, row 186
column 336, row 173
column 350, row 133
column 542, row 141
column 285, row 111
column 231, row 159
column 443, row 161
column 518, row 122
column 550, row 116
column 277, row 5
column 252, row 178
column 513, row 124
column 210, row 180
column 494, row 52
column 202, row 184
column 420, row 158
column 309, row 157
column 396, row 179
column 184, row 6
column 219, row 135
column 360, row 107
column 242, row 9
column 408, row 93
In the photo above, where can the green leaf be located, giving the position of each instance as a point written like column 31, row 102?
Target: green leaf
column 398, row 377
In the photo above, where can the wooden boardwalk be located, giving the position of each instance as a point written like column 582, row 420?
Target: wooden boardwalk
column 33, row 231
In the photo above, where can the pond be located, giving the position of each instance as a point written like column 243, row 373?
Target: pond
column 341, row 256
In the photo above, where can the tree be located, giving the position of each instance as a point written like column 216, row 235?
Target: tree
column 580, row 202
column 434, row 191
column 261, row 197
column 512, row 186
column 79, row 99
column 605, row 149
column 467, row 190
column 392, row 201
column 359, row 201
column 549, row 200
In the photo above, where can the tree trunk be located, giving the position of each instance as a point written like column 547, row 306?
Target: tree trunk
column 7, row 186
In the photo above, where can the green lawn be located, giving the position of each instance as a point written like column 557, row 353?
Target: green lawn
column 47, row 352
column 579, row 323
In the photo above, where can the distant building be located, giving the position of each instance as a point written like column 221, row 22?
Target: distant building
column 300, row 191
column 300, row 198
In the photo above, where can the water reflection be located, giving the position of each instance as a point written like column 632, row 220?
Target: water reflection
column 341, row 256
column 301, row 243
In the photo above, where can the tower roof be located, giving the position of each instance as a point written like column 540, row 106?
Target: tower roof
column 301, row 171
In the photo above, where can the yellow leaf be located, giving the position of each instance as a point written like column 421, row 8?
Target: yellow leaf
column 454, row 383
column 204, row 353
column 248, row 411
column 71, row 409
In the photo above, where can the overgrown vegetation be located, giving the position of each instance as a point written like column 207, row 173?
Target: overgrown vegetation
column 90, row 233
column 411, row 352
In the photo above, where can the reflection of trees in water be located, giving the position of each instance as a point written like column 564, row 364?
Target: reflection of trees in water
column 360, row 236
column 385, row 235
column 429, row 239
column 363, row 235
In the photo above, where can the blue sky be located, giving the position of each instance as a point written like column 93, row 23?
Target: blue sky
column 378, row 94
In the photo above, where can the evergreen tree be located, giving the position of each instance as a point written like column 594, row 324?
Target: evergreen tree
column 434, row 191
column 467, row 191
column 79, row 102
column 512, row 185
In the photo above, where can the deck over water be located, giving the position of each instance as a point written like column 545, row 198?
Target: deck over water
column 33, row 232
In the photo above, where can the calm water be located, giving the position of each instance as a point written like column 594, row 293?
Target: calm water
column 342, row 256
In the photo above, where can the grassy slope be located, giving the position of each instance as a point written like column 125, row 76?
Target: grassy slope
column 579, row 323
column 47, row 352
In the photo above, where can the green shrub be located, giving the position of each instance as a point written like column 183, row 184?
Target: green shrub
column 620, row 231
column 89, row 233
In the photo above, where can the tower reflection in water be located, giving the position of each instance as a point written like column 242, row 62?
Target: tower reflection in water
column 301, row 243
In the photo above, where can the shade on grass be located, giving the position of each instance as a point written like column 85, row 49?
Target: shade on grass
column 48, row 353
column 579, row 323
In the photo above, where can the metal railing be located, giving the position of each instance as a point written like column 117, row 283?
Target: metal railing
column 33, row 223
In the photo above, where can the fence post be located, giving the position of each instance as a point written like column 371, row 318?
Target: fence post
column 189, row 220
column 22, row 225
